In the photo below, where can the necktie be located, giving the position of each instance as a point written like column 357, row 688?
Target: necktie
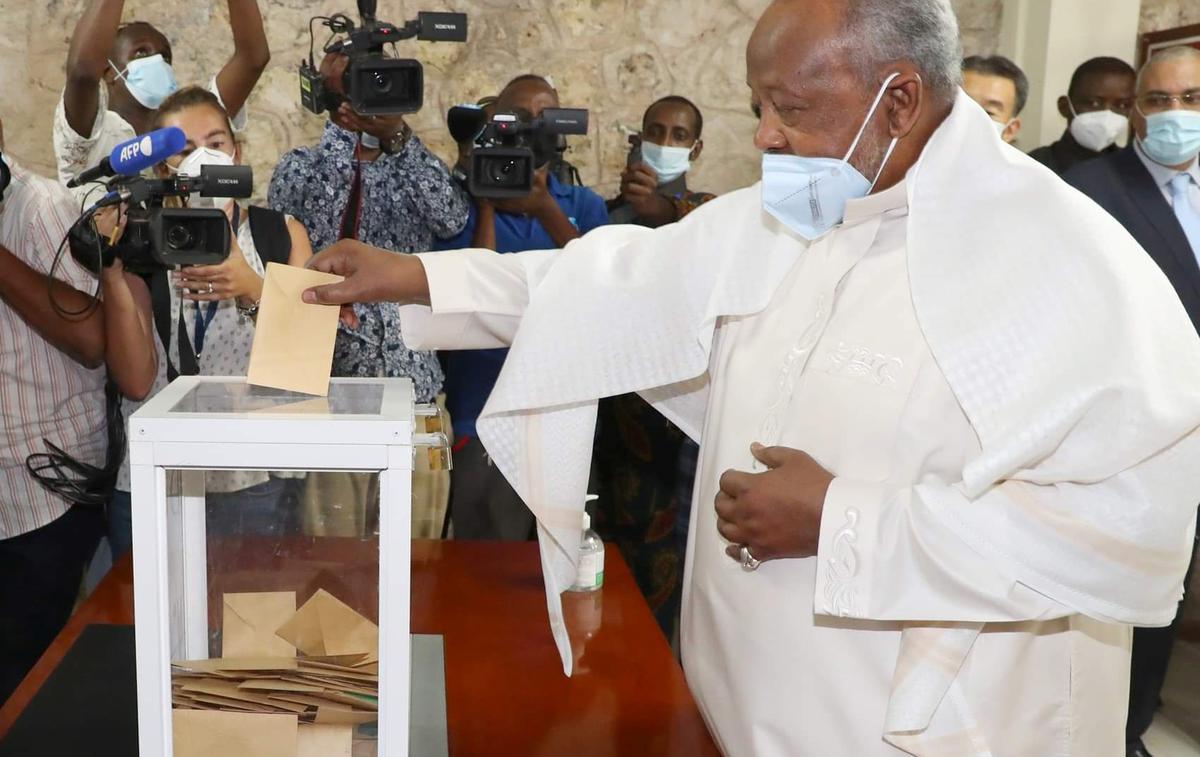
column 1185, row 211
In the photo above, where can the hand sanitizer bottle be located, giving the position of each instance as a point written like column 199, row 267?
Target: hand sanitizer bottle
column 591, row 557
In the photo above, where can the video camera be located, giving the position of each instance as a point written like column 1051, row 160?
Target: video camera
column 158, row 237
column 376, row 84
column 511, row 146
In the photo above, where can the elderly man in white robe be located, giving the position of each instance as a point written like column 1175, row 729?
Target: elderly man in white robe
column 948, row 408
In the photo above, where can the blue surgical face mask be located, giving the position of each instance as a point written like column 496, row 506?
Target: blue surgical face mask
column 1172, row 138
column 150, row 80
column 809, row 195
column 669, row 163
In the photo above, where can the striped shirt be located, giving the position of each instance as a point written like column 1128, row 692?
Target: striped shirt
column 44, row 394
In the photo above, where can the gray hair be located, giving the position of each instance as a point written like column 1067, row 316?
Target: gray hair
column 1167, row 55
column 924, row 32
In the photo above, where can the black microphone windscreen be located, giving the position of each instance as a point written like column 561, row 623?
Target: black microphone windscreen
column 465, row 123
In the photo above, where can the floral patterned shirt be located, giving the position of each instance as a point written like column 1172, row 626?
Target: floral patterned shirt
column 407, row 200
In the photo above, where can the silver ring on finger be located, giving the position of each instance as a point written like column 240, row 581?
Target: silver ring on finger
column 749, row 564
column 210, row 287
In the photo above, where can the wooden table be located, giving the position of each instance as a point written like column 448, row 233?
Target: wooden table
column 506, row 693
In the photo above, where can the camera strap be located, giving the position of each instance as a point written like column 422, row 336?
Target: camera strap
column 352, row 215
column 160, row 305
column 271, row 237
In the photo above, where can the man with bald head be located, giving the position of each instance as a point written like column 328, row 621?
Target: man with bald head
column 1153, row 188
column 949, row 447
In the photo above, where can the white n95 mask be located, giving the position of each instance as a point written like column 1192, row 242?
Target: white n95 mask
column 1097, row 130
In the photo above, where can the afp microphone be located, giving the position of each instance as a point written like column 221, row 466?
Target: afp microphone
column 131, row 157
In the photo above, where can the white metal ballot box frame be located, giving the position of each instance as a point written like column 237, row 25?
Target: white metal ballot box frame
column 203, row 423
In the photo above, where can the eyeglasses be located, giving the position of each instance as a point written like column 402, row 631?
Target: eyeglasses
column 1160, row 102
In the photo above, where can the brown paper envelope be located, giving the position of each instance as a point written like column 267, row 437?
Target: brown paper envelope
column 200, row 733
column 325, row 741
column 312, row 700
column 347, row 661
column 212, row 686
column 250, row 620
column 354, row 701
column 325, row 625
column 293, row 341
column 224, row 667
column 335, row 671
column 277, row 684
column 230, row 690
column 331, row 715
column 342, row 686
column 212, row 701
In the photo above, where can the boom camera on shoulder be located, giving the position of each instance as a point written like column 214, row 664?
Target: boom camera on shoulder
column 158, row 237
column 511, row 146
column 374, row 83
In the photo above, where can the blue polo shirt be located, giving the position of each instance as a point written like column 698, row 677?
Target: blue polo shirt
column 471, row 374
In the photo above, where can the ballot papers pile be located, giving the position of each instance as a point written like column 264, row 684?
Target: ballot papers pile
column 289, row 682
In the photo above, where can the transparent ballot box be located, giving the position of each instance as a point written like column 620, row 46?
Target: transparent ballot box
column 271, row 548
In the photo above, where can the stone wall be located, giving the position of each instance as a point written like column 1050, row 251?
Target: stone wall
column 1168, row 14
column 611, row 56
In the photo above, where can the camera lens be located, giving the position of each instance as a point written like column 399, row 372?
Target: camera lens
column 502, row 170
column 180, row 237
column 381, row 83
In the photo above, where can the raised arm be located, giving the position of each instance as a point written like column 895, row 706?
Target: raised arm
column 91, row 44
column 251, row 54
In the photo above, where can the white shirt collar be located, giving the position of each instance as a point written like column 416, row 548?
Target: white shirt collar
column 894, row 197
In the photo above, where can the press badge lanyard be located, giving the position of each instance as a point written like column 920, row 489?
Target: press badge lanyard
column 205, row 319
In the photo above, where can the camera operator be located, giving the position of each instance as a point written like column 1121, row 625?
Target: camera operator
column 654, row 189
column 370, row 178
column 211, row 312
column 51, row 390
column 482, row 504
column 118, row 74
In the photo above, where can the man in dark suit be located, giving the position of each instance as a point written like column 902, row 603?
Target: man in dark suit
column 1153, row 188
column 1096, row 106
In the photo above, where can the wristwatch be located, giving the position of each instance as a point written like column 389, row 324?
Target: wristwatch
column 398, row 141
column 248, row 312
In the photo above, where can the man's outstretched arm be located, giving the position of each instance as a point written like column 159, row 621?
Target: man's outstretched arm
column 372, row 275
column 458, row 299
